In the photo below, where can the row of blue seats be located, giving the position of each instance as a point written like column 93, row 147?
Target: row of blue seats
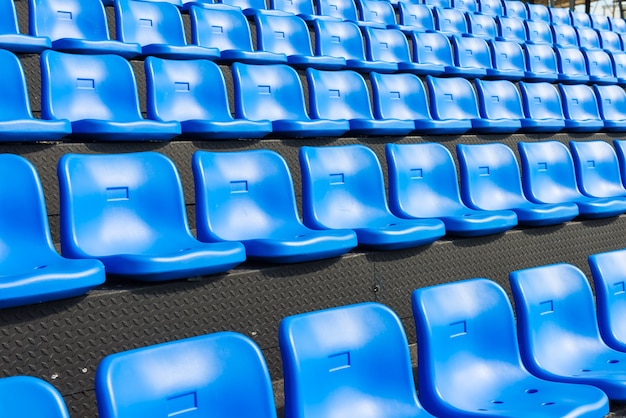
column 562, row 360
column 94, row 97
column 246, row 206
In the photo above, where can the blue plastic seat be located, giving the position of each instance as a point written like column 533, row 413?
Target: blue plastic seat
column 600, row 22
column 463, row 372
column 618, row 24
column 438, row 3
column 541, row 63
column 558, row 331
column 511, row 29
column 580, row 19
column 483, row 26
column 560, row 16
column 340, row 9
column 392, row 46
column 193, row 93
column 548, row 176
column 98, row 95
column 342, row 188
column 607, row 270
column 580, row 108
column 597, row 169
column 470, row 6
column 508, row 61
column 612, row 105
column 542, row 107
column 343, row 95
column 538, row 32
column 128, row 211
column 450, row 21
column 571, row 65
column 620, row 150
column 415, row 17
column 16, row 120
column 158, row 27
column 491, row 7
column 564, row 36
column 10, row 37
column 76, row 26
column 403, row 97
column 32, row 270
column 618, row 59
column 588, row 38
column 247, row 7
column 490, row 180
column 538, row 12
column 219, row 375
column 610, row 41
column 423, row 184
column 350, row 361
column 304, row 9
column 432, row 49
column 226, row 28
column 472, row 57
column 30, row 397
column 376, row 13
column 248, row 196
column 275, row 93
column 344, row 40
column 599, row 66
column 288, row 34
column 454, row 98
column 500, row 106
column 515, row 8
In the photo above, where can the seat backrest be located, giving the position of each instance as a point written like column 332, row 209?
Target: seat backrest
column 598, row 63
column 541, row 101
column 482, row 25
column 146, row 23
column 338, row 95
column 515, row 8
column 431, row 48
column 399, row 96
column 242, row 195
column 418, row 16
column 491, row 7
column 221, row 27
column 450, row 21
column 30, row 397
column 8, row 18
column 347, row 361
column 58, row 19
column 119, row 203
column 611, row 101
column 560, row 16
column 579, row 102
column 620, row 150
column 14, row 101
column 377, row 11
column 246, row 4
column 498, row 99
column 608, row 271
column 77, row 87
column 422, row 180
column 296, row 7
column 438, row 3
column 564, row 35
column 342, row 9
column 548, row 173
column 470, row 6
column 286, row 34
column 541, row 59
column 24, row 228
column 600, row 22
column 342, row 186
column 571, row 61
column 597, row 168
column 471, row 52
column 556, row 317
column 618, row 24
column 588, row 38
column 511, row 28
column 580, row 19
column 268, row 92
column 507, row 56
column 338, row 39
column 538, row 32
column 388, row 45
column 219, row 375
column 538, row 12
column 458, row 359
column 452, row 98
column 610, row 41
column 619, row 64
column 490, row 176
column 185, row 90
